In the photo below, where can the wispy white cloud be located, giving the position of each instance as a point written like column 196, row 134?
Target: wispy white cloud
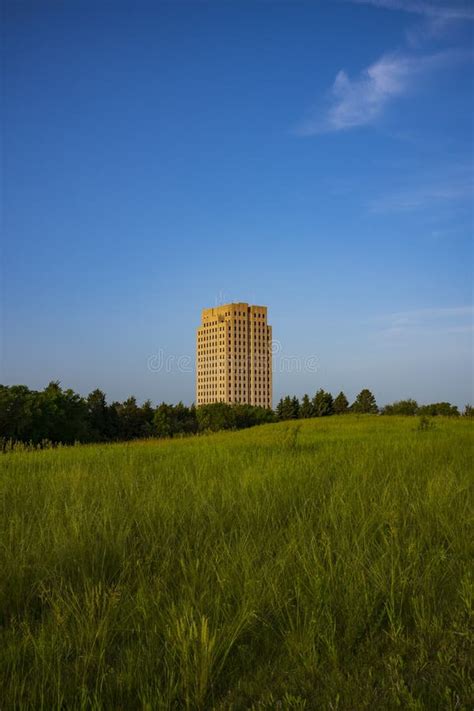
column 443, row 9
column 415, row 316
column 420, row 197
column 454, row 320
column 362, row 100
column 437, row 17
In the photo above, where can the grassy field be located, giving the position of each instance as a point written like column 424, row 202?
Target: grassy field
column 321, row 564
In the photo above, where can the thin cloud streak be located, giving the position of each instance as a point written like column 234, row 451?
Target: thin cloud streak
column 416, row 315
column 362, row 100
column 451, row 320
column 442, row 10
column 420, row 198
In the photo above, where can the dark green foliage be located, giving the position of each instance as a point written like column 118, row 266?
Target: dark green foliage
column 425, row 423
column 251, row 415
column 55, row 415
column 401, row 407
column 19, row 408
column 411, row 407
column 97, row 412
column 146, row 416
column 444, row 409
column 184, row 419
column 306, row 409
column 287, row 408
column 164, row 420
column 215, row 416
column 341, row 404
column 221, row 416
column 174, row 420
column 365, row 403
column 113, row 418
column 130, row 420
column 295, row 408
column 323, row 404
column 280, row 410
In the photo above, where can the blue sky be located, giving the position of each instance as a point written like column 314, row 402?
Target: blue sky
column 316, row 157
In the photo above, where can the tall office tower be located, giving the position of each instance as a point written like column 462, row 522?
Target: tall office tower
column 234, row 359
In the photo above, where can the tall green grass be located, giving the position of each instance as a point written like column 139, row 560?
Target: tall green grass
column 322, row 564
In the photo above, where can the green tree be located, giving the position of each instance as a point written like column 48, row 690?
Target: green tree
column 163, row 421
column 62, row 416
column 185, row 420
column 280, row 410
column 323, row 404
column 401, row 407
column 287, row 408
column 295, row 408
column 19, row 413
column 444, row 409
column 129, row 420
column 147, row 414
column 97, row 418
column 365, row 403
column 215, row 416
column 251, row 415
column 306, row 409
column 341, row 404
column 113, row 421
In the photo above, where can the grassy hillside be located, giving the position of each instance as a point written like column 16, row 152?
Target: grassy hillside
column 321, row 564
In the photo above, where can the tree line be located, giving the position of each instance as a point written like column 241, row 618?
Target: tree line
column 57, row 415
column 324, row 404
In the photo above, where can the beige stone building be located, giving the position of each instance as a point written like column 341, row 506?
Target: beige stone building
column 234, row 359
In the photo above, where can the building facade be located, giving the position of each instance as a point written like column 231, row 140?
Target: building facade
column 234, row 357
